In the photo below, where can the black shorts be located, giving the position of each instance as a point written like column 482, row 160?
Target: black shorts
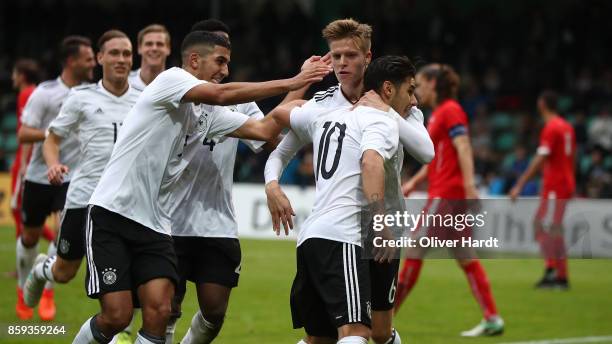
column 40, row 200
column 383, row 281
column 71, row 238
column 207, row 260
column 331, row 287
column 123, row 254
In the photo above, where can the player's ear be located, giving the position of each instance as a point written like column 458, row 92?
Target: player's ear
column 368, row 58
column 99, row 57
column 388, row 89
column 194, row 60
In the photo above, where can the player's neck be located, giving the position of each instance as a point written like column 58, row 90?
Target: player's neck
column 69, row 79
column 149, row 72
column 547, row 116
column 23, row 86
column 352, row 93
column 115, row 87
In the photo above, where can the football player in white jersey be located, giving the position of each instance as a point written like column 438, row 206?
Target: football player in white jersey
column 330, row 296
column 349, row 43
column 204, row 225
column 40, row 198
column 94, row 113
column 154, row 48
column 129, row 249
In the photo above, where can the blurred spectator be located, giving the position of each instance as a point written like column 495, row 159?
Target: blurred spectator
column 600, row 131
column 598, row 176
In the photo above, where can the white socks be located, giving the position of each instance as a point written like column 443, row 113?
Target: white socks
column 352, row 340
column 25, row 260
column 85, row 336
column 44, row 270
column 170, row 329
column 144, row 338
column 90, row 334
column 51, row 252
column 395, row 338
column 201, row 331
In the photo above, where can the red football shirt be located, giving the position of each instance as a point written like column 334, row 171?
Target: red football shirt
column 447, row 121
column 22, row 99
column 558, row 142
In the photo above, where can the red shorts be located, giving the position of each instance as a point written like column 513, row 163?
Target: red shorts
column 552, row 208
column 445, row 219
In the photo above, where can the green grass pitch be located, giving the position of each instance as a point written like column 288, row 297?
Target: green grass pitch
column 440, row 306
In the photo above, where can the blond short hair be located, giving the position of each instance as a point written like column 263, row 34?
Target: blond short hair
column 153, row 28
column 360, row 33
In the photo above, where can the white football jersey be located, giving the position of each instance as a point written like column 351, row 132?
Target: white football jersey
column 95, row 116
column 330, row 98
column 42, row 107
column 340, row 137
column 147, row 157
column 202, row 203
column 334, row 98
column 136, row 81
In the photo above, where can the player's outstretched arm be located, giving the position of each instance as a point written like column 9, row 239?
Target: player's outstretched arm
column 51, row 154
column 279, row 205
column 244, row 92
column 28, row 134
column 533, row 168
column 269, row 127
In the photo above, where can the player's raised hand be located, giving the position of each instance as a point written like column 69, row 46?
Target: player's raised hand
column 56, row 173
column 326, row 59
column 311, row 72
column 373, row 100
column 279, row 207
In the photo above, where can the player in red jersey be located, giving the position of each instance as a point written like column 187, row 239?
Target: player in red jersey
column 556, row 154
column 451, row 181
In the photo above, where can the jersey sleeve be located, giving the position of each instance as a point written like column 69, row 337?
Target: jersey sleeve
column 280, row 157
column 170, row 86
column 455, row 122
column 300, row 120
column 252, row 110
column 546, row 141
column 68, row 118
column 380, row 133
column 414, row 136
column 224, row 121
column 34, row 110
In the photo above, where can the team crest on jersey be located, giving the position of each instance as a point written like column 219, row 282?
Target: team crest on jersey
column 202, row 122
column 109, row 276
column 64, row 246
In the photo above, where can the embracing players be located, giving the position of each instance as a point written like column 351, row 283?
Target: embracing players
column 130, row 253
